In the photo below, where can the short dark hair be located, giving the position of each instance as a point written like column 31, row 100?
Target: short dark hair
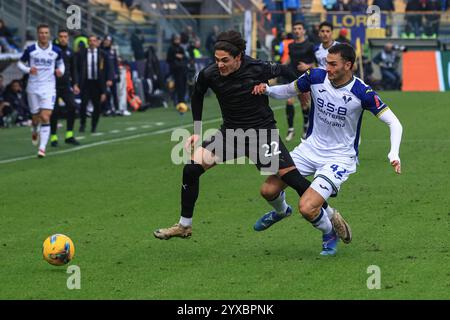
column 42, row 26
column 345, row 50
column 63, row 30
column 326, row 24
column 296, row 23
column 232, row 42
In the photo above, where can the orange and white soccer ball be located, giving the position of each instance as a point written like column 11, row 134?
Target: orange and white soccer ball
column 58, row 249
column 182, row 107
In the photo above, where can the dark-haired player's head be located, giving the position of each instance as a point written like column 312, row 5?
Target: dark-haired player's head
column 298, row 28
column 340, row 60
column 43, row 33
column 326, row 32
column 229, row 51
column 63, row 37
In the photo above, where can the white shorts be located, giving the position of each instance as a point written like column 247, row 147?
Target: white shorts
column 329, row 173
column 39, row 101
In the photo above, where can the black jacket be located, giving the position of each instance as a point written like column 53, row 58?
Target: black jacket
column 103, row 67
column 240, row 108
column 70, row 77
column 176, row 64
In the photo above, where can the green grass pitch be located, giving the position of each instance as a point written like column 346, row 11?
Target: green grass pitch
column 110, row 195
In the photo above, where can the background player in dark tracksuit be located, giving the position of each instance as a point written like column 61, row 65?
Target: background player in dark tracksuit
column 301, row 58
column 65, row 89
column 111, row 91
column 232, row 79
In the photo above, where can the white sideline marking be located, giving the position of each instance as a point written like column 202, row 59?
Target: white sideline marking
column 159, row 124
column 97, row 134
column 99, row 143
column 114, row 131
column 131, row 129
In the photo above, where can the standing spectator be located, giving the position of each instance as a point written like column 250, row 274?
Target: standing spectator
column 385, row 5
column 66, row 89
column 188, row 37
column 358, row 6
column 211, row 40
column 177, row 60
column 432, row 20
column 413, row 20
column 341, row 5
column 154, row 78
column 388, row 60
column 111, row 90
column 93, row 73
column 388, row 7
column 137, row 41
column 194, row 65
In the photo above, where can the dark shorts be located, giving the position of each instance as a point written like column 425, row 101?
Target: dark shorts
column 262, row 146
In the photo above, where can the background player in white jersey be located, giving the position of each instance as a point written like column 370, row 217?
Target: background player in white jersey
column 42, row 61
column 330, row 150
column 327, row 41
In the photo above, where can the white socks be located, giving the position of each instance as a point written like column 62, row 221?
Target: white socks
column 322, row 222
column 279, row 203
column 185, row 222
column 44, row 135
column 330, row 212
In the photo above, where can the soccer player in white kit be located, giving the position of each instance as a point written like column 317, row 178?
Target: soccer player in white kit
column 326, row 37
column 330, row 149
column 42, row 61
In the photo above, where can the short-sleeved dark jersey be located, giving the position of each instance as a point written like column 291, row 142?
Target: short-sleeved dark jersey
column 301, row 52
column 240, row 109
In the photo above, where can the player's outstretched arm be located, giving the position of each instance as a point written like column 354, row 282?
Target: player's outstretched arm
column 396, row 129
column 278, row 92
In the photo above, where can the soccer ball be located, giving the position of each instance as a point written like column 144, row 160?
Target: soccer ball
column 182, row 107
column 58, row 249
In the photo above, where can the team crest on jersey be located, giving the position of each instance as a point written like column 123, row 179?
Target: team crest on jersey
column 347, row 99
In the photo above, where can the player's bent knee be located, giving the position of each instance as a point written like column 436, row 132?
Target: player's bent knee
column 269, row 192
column 307, row 209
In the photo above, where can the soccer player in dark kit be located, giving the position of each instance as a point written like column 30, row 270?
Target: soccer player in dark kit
column 301, row 58
column 248, row 129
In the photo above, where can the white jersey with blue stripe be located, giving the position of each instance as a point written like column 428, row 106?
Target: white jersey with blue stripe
column 336, row 113
column 45, row 61
column 321, row 55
